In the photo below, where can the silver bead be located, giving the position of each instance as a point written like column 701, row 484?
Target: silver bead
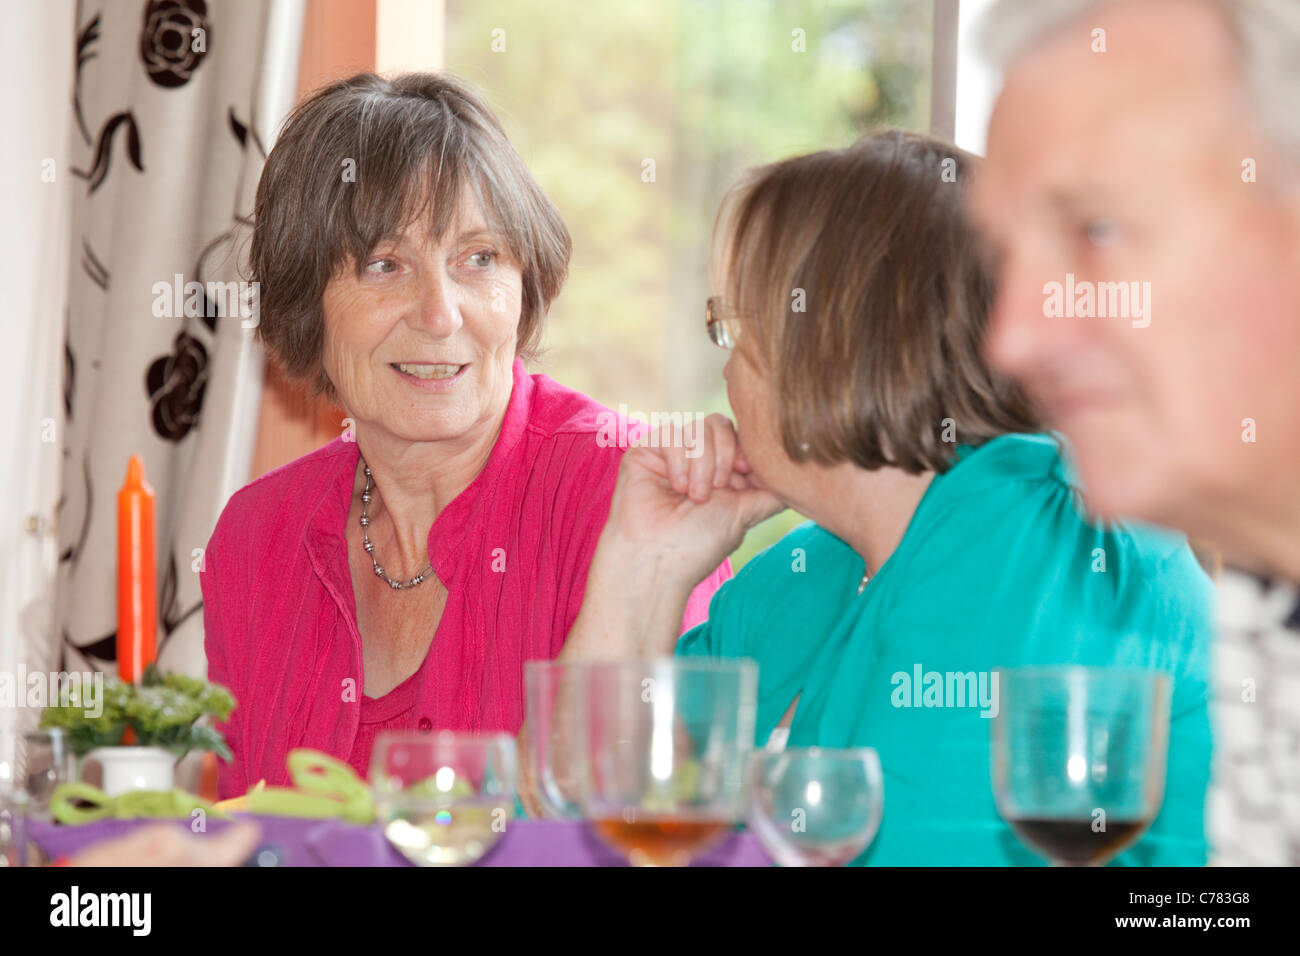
column 364, row 521
column 394, row 584
column 365, row 496
column 368, row 546
column 379, row 571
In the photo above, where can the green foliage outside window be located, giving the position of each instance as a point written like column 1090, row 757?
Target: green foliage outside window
column 635, row 118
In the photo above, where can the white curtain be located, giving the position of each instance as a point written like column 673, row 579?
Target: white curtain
column 175, row 103
column 36, row 56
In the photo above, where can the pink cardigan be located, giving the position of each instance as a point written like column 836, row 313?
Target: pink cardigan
column 280, row 613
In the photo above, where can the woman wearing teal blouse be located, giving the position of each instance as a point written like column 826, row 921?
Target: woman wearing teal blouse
column 946, row 534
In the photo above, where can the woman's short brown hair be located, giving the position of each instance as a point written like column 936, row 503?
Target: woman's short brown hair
column 359, row 160
column 868, row 293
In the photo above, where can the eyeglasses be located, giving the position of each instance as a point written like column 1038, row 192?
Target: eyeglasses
column 722, row 323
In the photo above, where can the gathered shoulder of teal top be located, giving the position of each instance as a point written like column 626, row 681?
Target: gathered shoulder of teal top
column 999, row 567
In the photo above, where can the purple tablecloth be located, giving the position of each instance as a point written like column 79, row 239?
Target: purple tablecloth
column 332, row 843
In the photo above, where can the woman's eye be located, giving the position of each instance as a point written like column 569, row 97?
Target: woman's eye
column 1101, row 232
column 483, row 259
column 381, row 265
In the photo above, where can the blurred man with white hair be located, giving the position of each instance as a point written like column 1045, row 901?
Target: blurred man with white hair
column 1142, row 195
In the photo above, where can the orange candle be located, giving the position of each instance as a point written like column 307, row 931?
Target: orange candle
column 136, row 607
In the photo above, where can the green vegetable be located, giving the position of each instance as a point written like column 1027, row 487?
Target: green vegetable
column 127, row 806
column 161, row 803
column 63, row 810
column 321, row 775
column 287, row 802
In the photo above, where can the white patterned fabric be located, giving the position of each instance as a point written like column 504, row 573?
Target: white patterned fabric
column 1253, row 812
column 173, row 101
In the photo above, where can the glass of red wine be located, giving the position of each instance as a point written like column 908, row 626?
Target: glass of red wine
column 1079, row 758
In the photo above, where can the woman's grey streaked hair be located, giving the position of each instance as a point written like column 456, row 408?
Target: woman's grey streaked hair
column 1266, row 34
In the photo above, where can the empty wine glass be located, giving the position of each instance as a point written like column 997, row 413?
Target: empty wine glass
column 16, row 849
column 443, row 799
column 30, row 768
column 553, row 737
column 667, row 743
column 49, row 761
column 1079, row 758
column 814, row 806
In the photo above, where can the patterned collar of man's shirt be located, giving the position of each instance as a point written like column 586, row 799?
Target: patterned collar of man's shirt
column 1253, row 815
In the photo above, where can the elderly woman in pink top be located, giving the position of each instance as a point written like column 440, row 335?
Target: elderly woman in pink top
column 399, row 577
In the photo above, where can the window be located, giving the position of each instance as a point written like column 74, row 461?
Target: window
column 636, row 117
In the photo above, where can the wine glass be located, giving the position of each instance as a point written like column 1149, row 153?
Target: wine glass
column 552, row 758
column 16, row 848
column 443, row 799
column 1079, row 758
column 28, row 775
column 815, row 806
column 666, row 745
column 49, row 762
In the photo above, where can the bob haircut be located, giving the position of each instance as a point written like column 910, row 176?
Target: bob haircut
column 868, row 293
column 412, row 143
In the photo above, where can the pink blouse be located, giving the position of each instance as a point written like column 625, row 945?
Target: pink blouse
column 390, row 712
column 512, row 549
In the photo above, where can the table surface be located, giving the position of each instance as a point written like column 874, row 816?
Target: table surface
column 335, row 843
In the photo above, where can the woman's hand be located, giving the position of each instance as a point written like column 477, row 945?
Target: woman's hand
column 687, row 506
column 165, row 844
column 673, row 518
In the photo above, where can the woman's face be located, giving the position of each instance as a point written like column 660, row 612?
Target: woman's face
column 422, row 344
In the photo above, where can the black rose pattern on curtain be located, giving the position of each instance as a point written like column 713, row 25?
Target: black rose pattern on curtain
column 175, row 384
column 166, row 48
column 172, row 43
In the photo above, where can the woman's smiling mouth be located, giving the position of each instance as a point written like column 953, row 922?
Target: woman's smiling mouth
column 428, row 375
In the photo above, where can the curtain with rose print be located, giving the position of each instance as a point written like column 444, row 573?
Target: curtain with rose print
column 174, row 101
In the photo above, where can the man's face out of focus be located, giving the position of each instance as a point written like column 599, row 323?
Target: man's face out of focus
column 1131, row 166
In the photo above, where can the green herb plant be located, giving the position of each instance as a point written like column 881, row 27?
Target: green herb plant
column 162, row 711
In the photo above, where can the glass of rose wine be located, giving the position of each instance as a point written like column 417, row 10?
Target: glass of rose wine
column 815, row 806
column 667, row 743
column 443, row 799
column 1079, row 758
